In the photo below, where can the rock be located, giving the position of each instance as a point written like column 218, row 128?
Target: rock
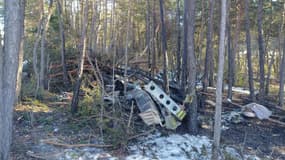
column 260, row 111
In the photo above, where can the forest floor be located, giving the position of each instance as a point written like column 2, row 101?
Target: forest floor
column 48, row 132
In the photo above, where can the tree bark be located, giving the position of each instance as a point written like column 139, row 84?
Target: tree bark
column 35, row 50
column 9, row 62
column 148, row 30
column 191, row 104
column 230, row 55
column 127, row 47
column 185, row 50
column 43, row 41
column 83, row 41
column 282, row 62
column 219, row 94
column 178, row 49
column 248, row 54
column 62, row 44
column 267, row 81
column 233, row 52
column 164, row 48
column 153, row 61
column 209, row 64
column 282, row 77
column 21, row 56
column 261, row 51
column 105, row 28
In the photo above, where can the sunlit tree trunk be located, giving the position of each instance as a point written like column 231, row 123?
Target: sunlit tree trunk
column 268, row 75
column 35, row 50
column 219, row 93
column 105, row 27
column 43, row 42
column 9, row 62
column 231, row 59
column 62, row 43
column 21, row 56
column 248, row 54
column 83, row 43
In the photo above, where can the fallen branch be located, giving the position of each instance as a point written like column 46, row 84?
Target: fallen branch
column 141, row 134
column 211, row 103
column 57, row 103
column 277, row 121
column 76, row 145
column 46, row 156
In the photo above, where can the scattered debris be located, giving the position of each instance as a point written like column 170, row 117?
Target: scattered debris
column 149, row 112
column 156, row 106
column 165, row 100
column 234, row 117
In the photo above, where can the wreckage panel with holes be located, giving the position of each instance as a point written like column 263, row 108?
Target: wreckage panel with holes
column 165, row 100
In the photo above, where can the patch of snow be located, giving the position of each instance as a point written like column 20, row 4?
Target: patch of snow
column 251, row 157
column 155, row 146
column 183, row 147
column 137, row 157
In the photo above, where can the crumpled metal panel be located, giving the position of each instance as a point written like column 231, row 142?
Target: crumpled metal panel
column 165, row 100
column 147, row 107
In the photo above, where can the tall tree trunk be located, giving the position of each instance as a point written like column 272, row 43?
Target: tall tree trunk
column 282, row 78
column 185, row 50
column 191, row 98
column 219, row 93
column 94, row 28
column 83, row 41
column 261, row 51
column 153, row 61
column 21, row 56
column 164, row 48
column 62, row 48
column 35, row 50
column 127, row 47
column 148, row 30
column 230, row 55
column 105, row 28
column 267, row 81
column 178, row 49
column 280, row 37
column 282, row 62
column 209, row 64
column 9, row 62
column 200, row 39
column 248, row 54
column 43, row 41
